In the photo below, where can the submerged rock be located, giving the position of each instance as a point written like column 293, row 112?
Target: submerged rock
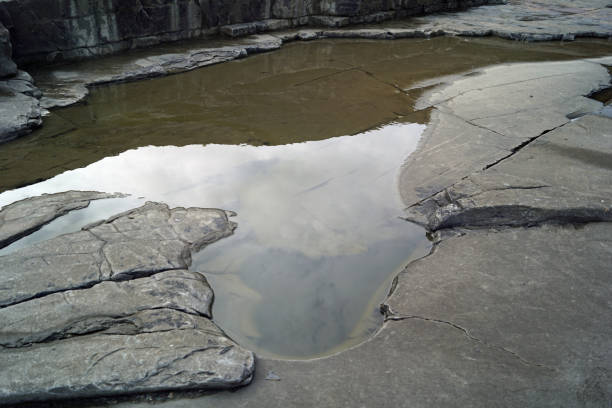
column 112, row 309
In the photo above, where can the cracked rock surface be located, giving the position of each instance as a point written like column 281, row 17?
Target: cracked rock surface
column 20, row 110
column 112, row 309
column 472, row 127
column 512, row 306
column 26, row 216
column 140, row 242
column 519, row 317
column 562, row 176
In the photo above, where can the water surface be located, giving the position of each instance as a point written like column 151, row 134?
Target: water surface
column 318, row 239
column 304, row 143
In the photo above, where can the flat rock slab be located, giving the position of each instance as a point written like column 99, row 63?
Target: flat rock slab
column 472, row 127
column 76, row 312
column 530, row 20
column 140, row 242
column 23, row 217
column 112, row 309
column 562, row 176
column 64, row 86
column 150, row 351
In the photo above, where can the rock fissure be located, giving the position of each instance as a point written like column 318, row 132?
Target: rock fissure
column 521, row 146
column 393, row 317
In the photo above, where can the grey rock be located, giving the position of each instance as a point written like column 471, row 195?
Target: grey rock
column 77, row 312
column 472, row 128
column 20, row 109
column 7, row 66
column 160, row 350
column 519, row 317
column 19, row 115
column 20, row 83
column 112, row 309
column 540, row 294
column 530, row 20
column 563, row 176
column 26, row 216
column 140, row 242
column 45, row 30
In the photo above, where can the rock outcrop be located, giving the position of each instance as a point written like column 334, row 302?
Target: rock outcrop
column 26, row 216
column 46, row 30
column 472, row 128
column 20, row 110
column 112, row 309
column 7, row 66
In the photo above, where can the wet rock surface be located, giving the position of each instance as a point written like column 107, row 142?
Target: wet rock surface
column 569, row 21
column 112, row 309
column 45, row 30
column 472, row 128
column 26, row 216
column 7, row 66
column 512, row 305
column 20, row 110
column 518, row 317
column 563, row 176
column 141, row 242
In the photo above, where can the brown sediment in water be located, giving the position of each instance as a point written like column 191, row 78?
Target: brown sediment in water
column 304, row 91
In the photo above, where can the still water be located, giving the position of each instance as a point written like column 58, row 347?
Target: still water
column 304, row 144
column 318, row 233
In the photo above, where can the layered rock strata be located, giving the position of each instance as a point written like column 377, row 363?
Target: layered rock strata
column 43, row 30
column 20, row 110
column 26, row 216
column 112, row 309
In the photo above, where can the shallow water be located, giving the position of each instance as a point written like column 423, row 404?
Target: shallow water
column 304, row 91
column 304, row 143
column 318, row 233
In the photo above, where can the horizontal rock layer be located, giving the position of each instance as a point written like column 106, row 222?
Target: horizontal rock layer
column 20, row 110
column 140, row 242
column 112, row 309
column 23, row 217
column 43, row 30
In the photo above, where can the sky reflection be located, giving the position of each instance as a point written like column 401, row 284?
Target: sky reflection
column 318, row 230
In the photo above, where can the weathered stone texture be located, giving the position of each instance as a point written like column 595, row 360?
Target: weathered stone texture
column 473, row 128
column 152, row 351
column 67, row 29
column 7, row 66
column 112, row 309
column 23, row 217
column 140, row 242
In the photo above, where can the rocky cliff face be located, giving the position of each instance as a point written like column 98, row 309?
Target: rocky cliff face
column 7, row 66
column 47, row 30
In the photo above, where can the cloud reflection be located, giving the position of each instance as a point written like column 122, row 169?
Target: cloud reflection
column 318, row 230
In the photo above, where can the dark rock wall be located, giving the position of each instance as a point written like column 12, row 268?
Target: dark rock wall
column 46, row 30
column 7, row 66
